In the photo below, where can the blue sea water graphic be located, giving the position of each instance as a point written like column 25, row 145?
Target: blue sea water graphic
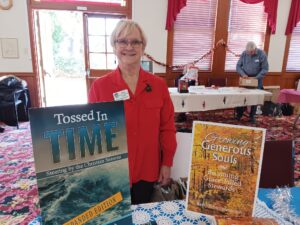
column 66, row 196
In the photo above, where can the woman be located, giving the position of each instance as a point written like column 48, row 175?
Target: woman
column 149, row 111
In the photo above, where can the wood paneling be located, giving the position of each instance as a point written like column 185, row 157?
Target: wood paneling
column 219, row 55
column 284, row 80
column 287, row 80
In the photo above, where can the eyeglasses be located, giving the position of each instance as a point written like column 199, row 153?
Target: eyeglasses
column 123, row 43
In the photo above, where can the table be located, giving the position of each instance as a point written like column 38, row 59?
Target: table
column 205, row 99
column 173, row 212
column 289, row 96
column 169, row 212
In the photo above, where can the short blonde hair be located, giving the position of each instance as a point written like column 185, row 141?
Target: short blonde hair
column 125, row 27
column 250, row 46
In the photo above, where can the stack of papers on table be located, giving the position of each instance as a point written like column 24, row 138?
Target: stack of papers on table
column 196, row 89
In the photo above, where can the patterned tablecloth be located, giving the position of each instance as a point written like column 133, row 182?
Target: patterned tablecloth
column 167, row 213
column 173, row 212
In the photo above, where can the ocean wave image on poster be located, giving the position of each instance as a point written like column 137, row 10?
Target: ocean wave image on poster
column 66, row 196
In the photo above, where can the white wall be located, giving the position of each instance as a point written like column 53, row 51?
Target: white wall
column 277, row 42
column 150, row 14
column 14, row 24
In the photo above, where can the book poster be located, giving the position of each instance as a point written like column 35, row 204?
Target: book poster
column 224, row 169
column 81, row 162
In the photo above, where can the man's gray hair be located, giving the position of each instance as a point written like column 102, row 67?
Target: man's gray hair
column 250, row 46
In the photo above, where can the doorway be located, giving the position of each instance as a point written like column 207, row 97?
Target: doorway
column 60, row 55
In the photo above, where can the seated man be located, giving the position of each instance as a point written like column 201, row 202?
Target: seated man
column 252, row 63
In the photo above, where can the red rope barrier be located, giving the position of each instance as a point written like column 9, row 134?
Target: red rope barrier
column 220, row 43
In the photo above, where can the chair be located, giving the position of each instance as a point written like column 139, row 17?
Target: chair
column 217, row 81
column 9, row 108
column 278, row 164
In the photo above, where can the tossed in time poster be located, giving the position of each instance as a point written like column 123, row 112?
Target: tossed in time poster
column 81, row 161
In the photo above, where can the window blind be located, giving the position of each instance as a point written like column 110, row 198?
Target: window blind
column 247, row 22
column 194, row 31
column 294, row 51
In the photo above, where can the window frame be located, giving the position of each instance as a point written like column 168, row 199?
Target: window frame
column 229, row 33
column 100, row 8
column 287, row 51
column 91, row 75
column 212, row 30
column 219, row 56
column 94, row 72
column 105, row 9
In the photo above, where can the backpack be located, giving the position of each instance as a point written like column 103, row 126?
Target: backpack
column 287, row 109
column 12, row 82
column 271, row 109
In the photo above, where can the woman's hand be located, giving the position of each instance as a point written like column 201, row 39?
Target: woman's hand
column 164, row 175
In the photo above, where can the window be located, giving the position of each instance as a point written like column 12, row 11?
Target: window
column 100, row 6
column 294, row 51
column 194, row 31
column 101, row 54
column 119, row 2
column 247, row 22
column 99, row 21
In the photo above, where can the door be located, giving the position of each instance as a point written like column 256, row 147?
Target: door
column 99, row 52
column 60, row 44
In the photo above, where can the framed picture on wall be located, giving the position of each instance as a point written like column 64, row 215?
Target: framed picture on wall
column 9, row 48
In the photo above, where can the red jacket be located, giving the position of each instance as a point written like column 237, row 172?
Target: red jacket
column 149, row 122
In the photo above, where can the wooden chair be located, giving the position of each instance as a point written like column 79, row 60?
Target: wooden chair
column 278, row 164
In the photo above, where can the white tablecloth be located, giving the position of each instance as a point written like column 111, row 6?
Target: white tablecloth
column 204, row 99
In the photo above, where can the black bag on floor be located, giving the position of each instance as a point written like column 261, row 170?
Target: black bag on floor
column 271, row 109
column 287, row 109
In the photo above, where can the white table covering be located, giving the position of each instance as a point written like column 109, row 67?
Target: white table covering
column 204, row 99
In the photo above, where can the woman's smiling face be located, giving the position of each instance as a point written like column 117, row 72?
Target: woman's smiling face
column 130, row 48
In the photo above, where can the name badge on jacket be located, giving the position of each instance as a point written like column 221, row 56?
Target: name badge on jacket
column 121, row 95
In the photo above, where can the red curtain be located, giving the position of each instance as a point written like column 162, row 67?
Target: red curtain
column 174, row 7
column 270, row 9
column 294, row 17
